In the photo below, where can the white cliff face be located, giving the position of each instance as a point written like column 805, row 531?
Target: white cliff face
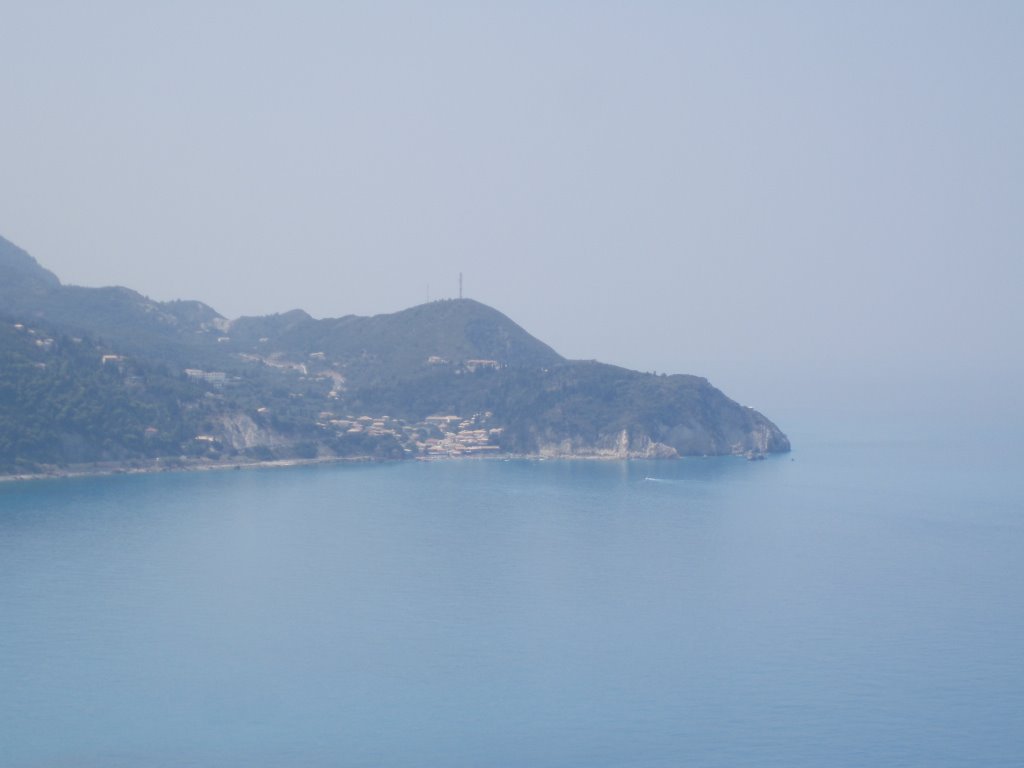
column 618, row 446
column 761, row 438
column 240, row 432
column 653, row 450
column 622, row 449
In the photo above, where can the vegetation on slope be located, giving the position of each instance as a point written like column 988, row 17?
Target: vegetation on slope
column 186, row 382
column 60, row 403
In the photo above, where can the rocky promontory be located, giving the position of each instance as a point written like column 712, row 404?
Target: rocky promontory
column 106, row 375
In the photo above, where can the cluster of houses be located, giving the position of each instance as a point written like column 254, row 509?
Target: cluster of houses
column 441, row 435
column 43, row 342
column 370, row 425
column 460, row 437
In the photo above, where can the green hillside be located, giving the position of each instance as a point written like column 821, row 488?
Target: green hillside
column 60, row 403
column 450, row 377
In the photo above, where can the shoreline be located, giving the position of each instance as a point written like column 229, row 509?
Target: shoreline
column 156, row 466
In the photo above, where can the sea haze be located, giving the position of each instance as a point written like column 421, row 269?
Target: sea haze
column 852, row 604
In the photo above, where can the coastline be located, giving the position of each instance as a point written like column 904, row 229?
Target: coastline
column 154, row 466
column 109, row 469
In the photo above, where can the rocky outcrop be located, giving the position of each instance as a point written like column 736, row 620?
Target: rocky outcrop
column 240, row 433
column 587, row 408
column 619, row 446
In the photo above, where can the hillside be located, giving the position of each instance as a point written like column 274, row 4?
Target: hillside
column 106, row 374
column 370, row 350
column 61, row 403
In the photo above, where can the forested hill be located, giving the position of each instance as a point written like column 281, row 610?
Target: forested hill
column 107, row 374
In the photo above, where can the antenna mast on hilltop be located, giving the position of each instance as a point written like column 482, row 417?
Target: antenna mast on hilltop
column 460, row 285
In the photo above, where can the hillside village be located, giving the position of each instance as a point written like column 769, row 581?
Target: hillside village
column 435, row 436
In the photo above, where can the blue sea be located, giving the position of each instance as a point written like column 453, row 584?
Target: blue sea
column 859, row 602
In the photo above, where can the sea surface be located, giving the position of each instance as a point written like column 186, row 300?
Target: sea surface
column 854, row 603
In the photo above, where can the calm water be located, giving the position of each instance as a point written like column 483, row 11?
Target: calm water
column 849, row 605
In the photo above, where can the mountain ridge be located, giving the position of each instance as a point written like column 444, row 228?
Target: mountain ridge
column 450, row 377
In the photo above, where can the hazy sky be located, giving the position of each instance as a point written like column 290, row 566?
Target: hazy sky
column 790, row 198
